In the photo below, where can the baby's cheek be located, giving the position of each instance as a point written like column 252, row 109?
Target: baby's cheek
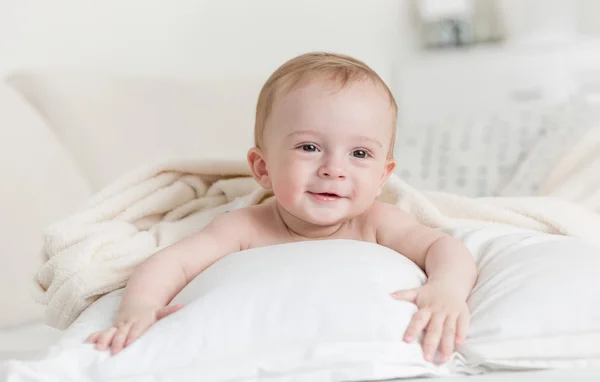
column 368, row 189
column 286, row 190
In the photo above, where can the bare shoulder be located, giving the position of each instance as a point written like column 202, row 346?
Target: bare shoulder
column 252, row 226
column 232, row 226
column 385, row 215
column 224, row 234
column 400, row 230
column 239, row 216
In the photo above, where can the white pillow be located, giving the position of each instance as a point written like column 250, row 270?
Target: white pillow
column 317, row 310
column 536, row 303
column 321, row 310
column 40, row 183
column 113, row 124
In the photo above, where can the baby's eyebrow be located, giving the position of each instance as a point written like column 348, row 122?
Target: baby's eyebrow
column 375, row 141
column 303, row 132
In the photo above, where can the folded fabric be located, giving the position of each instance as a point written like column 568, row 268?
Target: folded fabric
column 577, row 175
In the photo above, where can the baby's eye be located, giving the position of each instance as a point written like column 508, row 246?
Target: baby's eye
column 309, row 148
column 360, row 154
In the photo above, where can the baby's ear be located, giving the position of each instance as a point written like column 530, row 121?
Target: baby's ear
column 390, row 165
column 258, row 165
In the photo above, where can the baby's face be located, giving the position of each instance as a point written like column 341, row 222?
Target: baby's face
column 326, row 150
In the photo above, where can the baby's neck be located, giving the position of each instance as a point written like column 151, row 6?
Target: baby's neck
column 300, row 229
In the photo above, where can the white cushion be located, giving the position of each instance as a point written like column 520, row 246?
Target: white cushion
column 316, row 311
column 499, row 151
column 114, row 124
column 321, row 310
column 40, row 183
column 564, row 126
column 536, row 301
column 472, row 154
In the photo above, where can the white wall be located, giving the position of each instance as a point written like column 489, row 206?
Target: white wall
column 589, row 16
column 194, row 37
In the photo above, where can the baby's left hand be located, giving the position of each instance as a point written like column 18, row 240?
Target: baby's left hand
column 443, row 314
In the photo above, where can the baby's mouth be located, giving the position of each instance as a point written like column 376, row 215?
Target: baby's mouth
column 325, row 196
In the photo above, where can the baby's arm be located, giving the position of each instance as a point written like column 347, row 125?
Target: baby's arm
column 160, row 278
column 451, row 275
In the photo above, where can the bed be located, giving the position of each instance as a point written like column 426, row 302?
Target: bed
column 291, row 312
column 55, row 96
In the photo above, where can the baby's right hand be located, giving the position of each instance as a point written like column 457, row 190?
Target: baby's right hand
column 130, row 325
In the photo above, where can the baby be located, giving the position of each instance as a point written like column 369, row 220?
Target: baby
column 324, row 139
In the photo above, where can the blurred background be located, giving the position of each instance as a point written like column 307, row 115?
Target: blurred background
column 491, row 93
column 455, row 66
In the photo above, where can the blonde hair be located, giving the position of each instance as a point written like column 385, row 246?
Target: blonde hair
column 337, row 68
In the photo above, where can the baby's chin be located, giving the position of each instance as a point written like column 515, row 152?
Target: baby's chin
column 323, row 223
column 324, row 218
column 321, row 215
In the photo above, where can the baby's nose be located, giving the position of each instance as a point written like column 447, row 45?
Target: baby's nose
column 332, row 170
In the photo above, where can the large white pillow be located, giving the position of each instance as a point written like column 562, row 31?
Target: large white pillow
column 40, row 183
column 112, row 124
column 321, row 311
column 310, row 311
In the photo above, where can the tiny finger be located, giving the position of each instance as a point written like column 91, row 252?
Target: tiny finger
column 119, row 339
column 418, row 323
column 433, row 335
column 448, row 338
column 134, row 333
column 409, row 295
column 92, row 338
column 168, row 310
column 105, row 339
column 462, row 328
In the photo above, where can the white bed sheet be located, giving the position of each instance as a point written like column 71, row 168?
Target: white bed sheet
column 30, row 341
column 26, row 342
column 562, row 375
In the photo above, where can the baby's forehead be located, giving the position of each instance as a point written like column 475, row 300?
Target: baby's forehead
column 347, row 117
column 325, row 87
column 316, row 100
